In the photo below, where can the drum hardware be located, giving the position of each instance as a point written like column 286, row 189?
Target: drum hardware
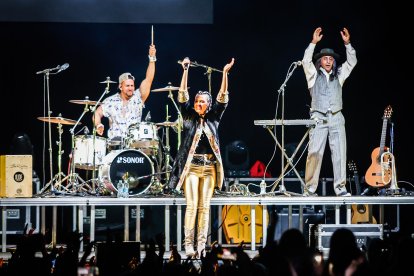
column 180, row 118
column 168, row 88
column 78, row 149
column 167, row 124
column 93, row 109
column 86, row 101
column 55, row 183
column 107, row 81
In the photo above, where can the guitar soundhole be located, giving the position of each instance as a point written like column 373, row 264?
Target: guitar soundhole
column 361, row 208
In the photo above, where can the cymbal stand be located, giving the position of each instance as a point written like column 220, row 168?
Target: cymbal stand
column 180, row 118
column 281, row 91
column 73, row 177
column 167, row 147
column 93, row 110
column 55, row 183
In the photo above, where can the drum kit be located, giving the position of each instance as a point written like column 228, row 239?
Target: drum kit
column 135, row 159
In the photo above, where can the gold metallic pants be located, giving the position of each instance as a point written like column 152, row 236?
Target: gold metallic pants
column 198, row 190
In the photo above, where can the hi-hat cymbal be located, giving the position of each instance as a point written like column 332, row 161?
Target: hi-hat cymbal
column 166, row 89
column 84, row 102
column 58, row 120
column 167, row 124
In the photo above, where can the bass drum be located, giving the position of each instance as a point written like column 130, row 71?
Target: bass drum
column 131, row 165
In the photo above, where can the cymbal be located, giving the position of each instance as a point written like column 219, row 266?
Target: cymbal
column 58, row 120
column 167, row 88
column 84, row 102
column 167, row 124
column 107, row 81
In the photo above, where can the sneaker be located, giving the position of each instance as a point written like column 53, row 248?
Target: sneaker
column 307, row 193
column 344, row 193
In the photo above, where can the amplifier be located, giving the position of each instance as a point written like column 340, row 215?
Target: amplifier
column 16, row 176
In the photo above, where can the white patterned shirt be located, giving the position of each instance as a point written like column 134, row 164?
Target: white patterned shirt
column 122, row 116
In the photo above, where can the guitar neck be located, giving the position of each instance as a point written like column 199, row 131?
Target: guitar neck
column 383, row 135
column 357, row 184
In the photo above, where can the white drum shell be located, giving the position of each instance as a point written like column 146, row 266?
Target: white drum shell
column 83, row 154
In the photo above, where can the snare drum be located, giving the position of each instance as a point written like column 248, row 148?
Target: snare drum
column 142, row 136
column 85, row 147
column 131, row 165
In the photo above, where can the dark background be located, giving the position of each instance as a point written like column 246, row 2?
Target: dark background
column 264, row 37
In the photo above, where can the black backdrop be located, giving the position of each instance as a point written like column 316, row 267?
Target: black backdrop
column 264, row 37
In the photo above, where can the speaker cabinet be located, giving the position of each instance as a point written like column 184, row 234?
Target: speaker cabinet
column 309, row 217
column 16, row 176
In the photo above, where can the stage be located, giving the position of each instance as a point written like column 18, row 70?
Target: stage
column 88, row 204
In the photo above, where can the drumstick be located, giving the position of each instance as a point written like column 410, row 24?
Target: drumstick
column 152, row 34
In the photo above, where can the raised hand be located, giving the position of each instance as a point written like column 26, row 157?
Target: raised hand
column 346, row 37
column 317, row 35
column 228, row 66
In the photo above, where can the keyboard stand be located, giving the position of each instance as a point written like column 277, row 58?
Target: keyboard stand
column 282, row 188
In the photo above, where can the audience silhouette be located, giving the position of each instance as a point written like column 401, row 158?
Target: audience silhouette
column 291, row 255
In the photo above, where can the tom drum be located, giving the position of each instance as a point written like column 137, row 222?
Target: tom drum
column 142, row 136
column 86, row 149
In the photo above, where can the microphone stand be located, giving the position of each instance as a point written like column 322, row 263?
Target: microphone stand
column 282, row 188
column 46, row 73
column 93, row 110
column 208, row 72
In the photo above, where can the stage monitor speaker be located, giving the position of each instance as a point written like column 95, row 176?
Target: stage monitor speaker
column 113, row 258
column 16, row 176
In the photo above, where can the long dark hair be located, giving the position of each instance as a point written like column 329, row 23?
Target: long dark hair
column 335, row 68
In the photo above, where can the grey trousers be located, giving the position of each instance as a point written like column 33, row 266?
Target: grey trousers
column 331, row 127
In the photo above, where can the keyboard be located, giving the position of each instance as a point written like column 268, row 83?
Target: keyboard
column 278, row 122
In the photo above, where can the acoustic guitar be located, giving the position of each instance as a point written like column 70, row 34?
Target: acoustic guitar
column 361, row 213
column 379, row 174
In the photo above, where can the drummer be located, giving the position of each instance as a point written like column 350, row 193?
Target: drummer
column 125, row 108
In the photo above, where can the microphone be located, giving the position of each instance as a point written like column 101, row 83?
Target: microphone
column 186, row 67
column 86, row 130
column 63, row 67
column 298, row 63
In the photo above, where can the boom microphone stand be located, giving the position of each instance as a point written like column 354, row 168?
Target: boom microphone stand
column 46, row 92
column 281, row 91
column 208, row 72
